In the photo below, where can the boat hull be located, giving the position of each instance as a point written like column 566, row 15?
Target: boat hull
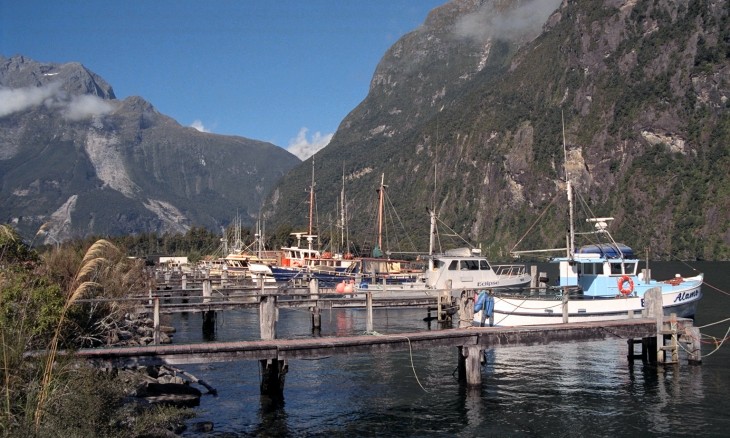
column 535, row 310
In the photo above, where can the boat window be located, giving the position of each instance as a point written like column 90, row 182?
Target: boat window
column 469, row 265
column 484, row 266
column 438, row 264
column 454, row 265
column 630, row 268
column 616, row 269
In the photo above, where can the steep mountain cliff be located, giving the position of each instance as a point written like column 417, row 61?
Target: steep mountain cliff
column 76, row 161
column 472, row 103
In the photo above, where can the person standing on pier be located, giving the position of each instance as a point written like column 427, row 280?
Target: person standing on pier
column 485, row 303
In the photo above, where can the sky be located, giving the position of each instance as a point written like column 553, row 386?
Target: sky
column 281, row 71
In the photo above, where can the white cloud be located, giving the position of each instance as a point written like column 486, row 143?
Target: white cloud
column 13, row 100
column 305, row 148
column 197, row 124
column 521, row 23
column 86, row 106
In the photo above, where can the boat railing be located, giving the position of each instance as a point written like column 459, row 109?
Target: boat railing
column 509, row 270
column 547, row 293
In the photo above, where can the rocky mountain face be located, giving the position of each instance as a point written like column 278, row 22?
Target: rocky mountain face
column 76, row 161
column 466, row 115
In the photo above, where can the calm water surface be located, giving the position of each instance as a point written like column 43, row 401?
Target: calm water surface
column 572, row 390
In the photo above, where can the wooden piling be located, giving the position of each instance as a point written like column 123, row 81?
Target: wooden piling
column 653, row 309
column 273, row 371
column 566, row 296
column 184, row 282
column 207, row 290
column 692, row 339
column 314, row 294
column 470, row 365
column 267, row 317
column 466, row 308
column 156, row 322
column 533, row 276
column 369, row 310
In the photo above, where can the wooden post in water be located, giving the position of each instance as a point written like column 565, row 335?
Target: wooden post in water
column 273, row 371
column 207, row 290
column 466, row 309
column 653, row 309
column 566, row 297
column 369, row 310
column 184, row 282
column 314, row 294
column 470, row 365
column 156, row 322
column 693, row 343
column 533, row 276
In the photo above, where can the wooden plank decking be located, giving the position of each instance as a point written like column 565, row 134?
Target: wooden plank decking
column 285, row 349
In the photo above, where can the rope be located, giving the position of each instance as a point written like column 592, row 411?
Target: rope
column 410, row 352
column 535, row 223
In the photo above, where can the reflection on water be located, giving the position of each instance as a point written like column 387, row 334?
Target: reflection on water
column 582, row 389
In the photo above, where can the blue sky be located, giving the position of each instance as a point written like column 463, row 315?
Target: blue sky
column 282, row 71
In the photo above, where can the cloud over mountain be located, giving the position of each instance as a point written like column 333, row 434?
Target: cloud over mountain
column 76, row 107
column 304, row 148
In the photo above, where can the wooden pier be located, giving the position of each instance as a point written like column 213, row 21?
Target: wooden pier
column 273, row 354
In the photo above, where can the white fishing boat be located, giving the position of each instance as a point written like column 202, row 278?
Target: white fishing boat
column 461, row 268
column 601, row 281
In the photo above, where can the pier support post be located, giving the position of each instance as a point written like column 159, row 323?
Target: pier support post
column 184, row 282
column 314, row 295
column 692, row 335
column 566, row 297
column 653, row 309
column 207, row 290
column 533, row 276
column 466, row 309
column 273, row 371
column 273, row 375
column 267, row 317
column 156, row 322
column 470, row 365
column 209, row 318
column 369, row 312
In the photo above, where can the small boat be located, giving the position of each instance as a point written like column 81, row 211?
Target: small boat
column 460, row 268
column 601, row 281
column 297, row 263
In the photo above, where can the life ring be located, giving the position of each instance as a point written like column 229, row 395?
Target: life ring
column 621, row 283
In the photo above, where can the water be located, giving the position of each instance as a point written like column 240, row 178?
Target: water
column 582, row 389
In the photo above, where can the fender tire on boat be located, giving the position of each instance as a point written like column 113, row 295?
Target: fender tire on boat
column 622, row 281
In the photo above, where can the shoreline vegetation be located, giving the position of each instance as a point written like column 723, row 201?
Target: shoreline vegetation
column 46, row 394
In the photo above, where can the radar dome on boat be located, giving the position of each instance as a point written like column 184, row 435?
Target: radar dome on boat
column 608, row 250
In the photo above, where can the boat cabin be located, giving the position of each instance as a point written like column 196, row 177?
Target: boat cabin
column 597, row 268
column 463, row 270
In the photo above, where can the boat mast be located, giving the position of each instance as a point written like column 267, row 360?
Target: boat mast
column 568, row 187
column 342, row 211
column 432, row 214
column 381, row 191
column 311, row 207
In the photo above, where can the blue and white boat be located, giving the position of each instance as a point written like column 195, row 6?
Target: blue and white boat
column 603, row 282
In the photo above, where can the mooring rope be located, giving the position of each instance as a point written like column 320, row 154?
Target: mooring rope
column 410, row 353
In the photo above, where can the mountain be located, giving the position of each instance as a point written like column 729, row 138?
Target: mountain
column 76, row 161
column 466, row 114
